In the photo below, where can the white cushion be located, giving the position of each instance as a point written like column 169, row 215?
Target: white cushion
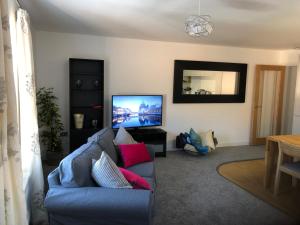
column 207, row 139
column 123, row 137
column 190, row 148
column 106, row 173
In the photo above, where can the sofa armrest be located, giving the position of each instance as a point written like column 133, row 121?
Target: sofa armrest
column 53, row 178
column 107, row 204
column 151, row 151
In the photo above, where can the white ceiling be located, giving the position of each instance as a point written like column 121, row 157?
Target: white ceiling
column 246, row 23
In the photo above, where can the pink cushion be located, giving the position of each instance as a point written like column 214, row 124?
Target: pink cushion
column 133, row 154
column 135, row 180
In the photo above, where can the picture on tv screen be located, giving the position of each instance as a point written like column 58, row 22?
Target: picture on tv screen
column 136, row 110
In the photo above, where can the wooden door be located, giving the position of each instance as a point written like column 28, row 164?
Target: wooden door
column 267, row 102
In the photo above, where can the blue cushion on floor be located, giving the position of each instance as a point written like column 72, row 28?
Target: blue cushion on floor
column 188, row 138
column 197, row 143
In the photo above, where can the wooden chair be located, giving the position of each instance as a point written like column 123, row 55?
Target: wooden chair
column 291, row 167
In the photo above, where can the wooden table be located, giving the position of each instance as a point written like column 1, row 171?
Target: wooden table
column 271, row 155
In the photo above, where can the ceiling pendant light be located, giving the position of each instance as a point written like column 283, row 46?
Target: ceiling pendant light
column 198, row 25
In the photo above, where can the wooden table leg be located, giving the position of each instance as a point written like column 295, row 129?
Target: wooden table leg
column 267, row 164
column 271, row 155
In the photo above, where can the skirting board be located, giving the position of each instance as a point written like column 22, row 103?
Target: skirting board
column 171, row 147
column 229, row 144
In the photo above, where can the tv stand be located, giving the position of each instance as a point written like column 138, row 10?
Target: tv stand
column 153, row 136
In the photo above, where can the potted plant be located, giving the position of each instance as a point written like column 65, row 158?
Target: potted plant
column 50, row 124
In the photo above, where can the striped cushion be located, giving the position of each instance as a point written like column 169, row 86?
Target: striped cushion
column 106, row 173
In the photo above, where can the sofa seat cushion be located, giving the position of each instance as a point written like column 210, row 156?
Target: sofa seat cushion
column 143, row 169
column 105, row 139
column 75, row 169
column 135, row 180
column 152, row 183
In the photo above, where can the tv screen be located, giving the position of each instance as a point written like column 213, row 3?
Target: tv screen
column 136, row 110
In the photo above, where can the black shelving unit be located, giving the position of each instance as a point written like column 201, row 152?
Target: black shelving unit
column 86, row 97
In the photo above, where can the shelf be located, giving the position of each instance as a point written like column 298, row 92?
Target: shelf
column 74, row 89
column 84, row 129
column 84, row 75
column 87, row 107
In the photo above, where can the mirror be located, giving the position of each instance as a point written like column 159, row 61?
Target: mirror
column 208, row 82
column 204, row 82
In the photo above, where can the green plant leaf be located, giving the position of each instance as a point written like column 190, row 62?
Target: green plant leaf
column 49, row 119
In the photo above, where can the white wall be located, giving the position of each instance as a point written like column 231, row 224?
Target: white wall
column 146, row 67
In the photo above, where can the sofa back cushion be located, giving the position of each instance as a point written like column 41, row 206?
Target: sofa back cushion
column 105, row 139
column 75, row 169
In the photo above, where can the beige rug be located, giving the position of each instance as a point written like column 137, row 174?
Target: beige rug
column 249, row 175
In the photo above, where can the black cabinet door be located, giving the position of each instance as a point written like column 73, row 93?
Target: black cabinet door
column 154, row 136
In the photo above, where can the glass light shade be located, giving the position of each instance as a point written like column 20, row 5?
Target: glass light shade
column 198, row 25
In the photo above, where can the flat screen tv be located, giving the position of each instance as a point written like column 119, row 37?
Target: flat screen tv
column 131, row 111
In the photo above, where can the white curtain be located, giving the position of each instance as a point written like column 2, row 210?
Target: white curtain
column 21, row 177
column 30, row 148
column 12, row 199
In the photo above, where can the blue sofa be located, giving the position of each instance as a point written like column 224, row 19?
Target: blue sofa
column 75, row 199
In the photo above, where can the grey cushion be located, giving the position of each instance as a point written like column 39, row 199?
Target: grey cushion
column 151, row 150
column 75, row 169
column 105, row 139
column 106, row 173
column 123, row 137
column 144, row 169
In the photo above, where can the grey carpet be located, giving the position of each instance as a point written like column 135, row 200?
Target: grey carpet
column 191, row 192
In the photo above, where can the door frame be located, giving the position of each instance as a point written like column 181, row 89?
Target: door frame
column 257, row 140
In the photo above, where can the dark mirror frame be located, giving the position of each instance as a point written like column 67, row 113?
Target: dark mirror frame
column 181, row 65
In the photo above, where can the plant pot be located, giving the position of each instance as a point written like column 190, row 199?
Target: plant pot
column 53, row 158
